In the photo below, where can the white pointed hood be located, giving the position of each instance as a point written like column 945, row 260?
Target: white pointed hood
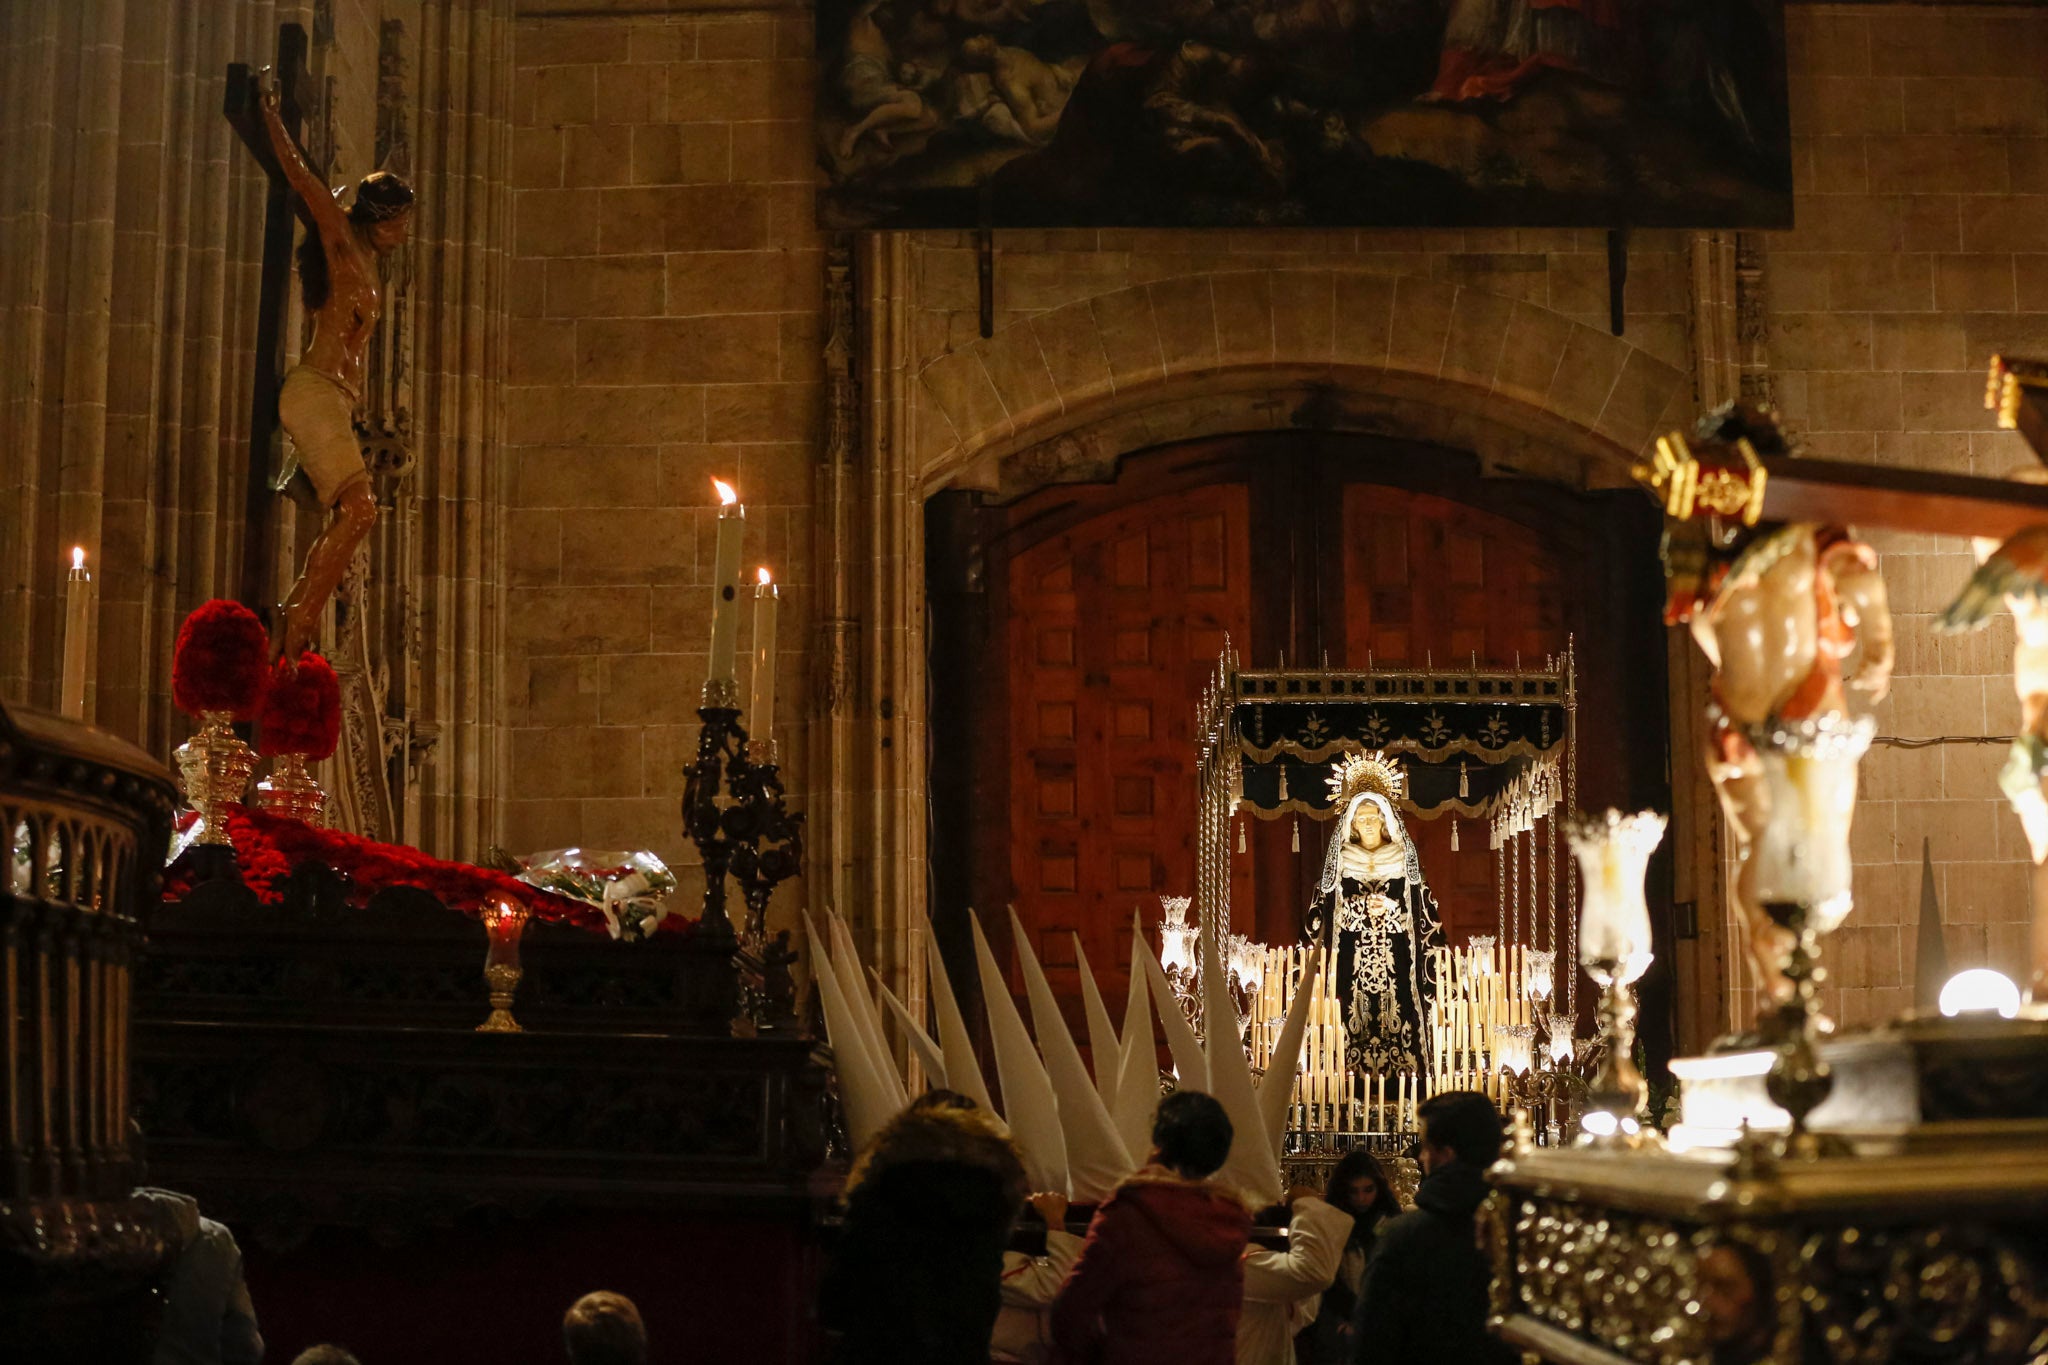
column 1276, row 1087
column 864, row 1094
column 1104, row 1053
column 852, row 976
column 1030, row 1106
column 1096, row 1160
column 1253, row 1167
column 1137, row 1085
column 963, row 1068
column 921, row 1043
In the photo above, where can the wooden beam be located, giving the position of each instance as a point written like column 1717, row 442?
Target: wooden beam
column 241, row 109
column 1902, row 499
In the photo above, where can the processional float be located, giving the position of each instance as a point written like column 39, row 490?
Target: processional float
column 1863, row 1197
column 1490, row 749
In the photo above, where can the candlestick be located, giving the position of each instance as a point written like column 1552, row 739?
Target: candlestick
column 504, row 923
column 761, row 710
column 77, row 626
column 719, row 688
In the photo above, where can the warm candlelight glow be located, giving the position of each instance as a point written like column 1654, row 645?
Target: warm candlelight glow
column 78, row 597
column 727, row 494
column 766, row 578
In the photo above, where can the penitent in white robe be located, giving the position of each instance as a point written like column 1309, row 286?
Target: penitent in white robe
column 1283, row 1288
column 1029, row 1285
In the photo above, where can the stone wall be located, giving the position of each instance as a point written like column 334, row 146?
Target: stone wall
column 667, row 303
column 668, row 297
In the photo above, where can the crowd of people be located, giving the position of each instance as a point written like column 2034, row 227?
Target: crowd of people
column 207, row 1317
column 1173, row 1269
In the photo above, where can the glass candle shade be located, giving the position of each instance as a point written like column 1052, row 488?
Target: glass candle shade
column 1809, row 770
column 1517, row 1048
column 1482, row 954
column 1614, row 922
column 504, row 925
column 1177, row 938
column 1540, row 965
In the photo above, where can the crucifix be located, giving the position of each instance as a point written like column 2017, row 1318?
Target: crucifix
column 316, row 403
column 243, row 112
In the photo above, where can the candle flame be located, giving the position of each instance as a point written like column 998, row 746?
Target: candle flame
column 766, row 577
column 77, row 557
column 726, row 493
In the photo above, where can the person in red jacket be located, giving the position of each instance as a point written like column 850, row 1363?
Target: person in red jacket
column 1160, row 1280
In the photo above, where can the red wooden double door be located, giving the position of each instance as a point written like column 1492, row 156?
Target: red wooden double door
column 1067, row 674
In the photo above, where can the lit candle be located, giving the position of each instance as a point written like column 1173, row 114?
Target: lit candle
column 77, row 626
column 761, row 711
column 725, row 592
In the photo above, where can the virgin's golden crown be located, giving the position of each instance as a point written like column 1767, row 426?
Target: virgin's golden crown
column 1370, row 772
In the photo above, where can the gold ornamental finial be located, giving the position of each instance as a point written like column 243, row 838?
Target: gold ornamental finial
column 1684, row 485
column 2008, row 378
column 1369, row 772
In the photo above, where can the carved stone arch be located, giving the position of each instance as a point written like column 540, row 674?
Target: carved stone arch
column 1523, row 387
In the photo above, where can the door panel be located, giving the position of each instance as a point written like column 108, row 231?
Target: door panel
column 1113, row 627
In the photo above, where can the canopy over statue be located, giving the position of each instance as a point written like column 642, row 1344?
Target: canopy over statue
column 1370, row 751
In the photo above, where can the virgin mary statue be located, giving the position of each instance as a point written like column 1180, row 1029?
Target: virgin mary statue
column 1376, row 915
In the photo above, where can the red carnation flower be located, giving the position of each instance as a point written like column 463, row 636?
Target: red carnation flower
column 221, row 660
column 301, row 711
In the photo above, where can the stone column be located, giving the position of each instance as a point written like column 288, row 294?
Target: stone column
column 462, row 156
column 889, row 788
column 124, row 394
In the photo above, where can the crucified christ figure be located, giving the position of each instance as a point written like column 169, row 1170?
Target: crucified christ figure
column 317, row 404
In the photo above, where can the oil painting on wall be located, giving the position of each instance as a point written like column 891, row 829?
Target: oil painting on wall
column 1596, row 113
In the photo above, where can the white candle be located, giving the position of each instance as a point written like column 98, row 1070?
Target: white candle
column 761, row 711
column 77, row 626
column 725, row 589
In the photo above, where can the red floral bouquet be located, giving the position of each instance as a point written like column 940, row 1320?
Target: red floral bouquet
column 220, row 663
column 301, row 710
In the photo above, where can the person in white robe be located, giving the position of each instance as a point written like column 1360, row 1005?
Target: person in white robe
column 1283, row 1289
column 1029, row 1285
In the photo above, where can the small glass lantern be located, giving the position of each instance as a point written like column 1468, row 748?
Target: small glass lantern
column 504, row 925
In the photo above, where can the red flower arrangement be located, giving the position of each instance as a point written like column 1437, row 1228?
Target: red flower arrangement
column 301, row 710
column 268, row 847
column 221, row 660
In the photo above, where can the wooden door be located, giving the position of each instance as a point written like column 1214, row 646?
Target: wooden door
column 1113, row 626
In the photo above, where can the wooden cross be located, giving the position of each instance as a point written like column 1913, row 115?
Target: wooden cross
column 245, row 114
column 1783, row 488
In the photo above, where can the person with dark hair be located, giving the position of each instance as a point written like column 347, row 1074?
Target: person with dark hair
column 1358, row 1186
column 1160, row 1279
column 1423, row 1294
column 916, row 1276
column 603, row 1328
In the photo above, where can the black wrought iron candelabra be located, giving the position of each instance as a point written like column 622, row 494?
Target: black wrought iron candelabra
column 735, row 812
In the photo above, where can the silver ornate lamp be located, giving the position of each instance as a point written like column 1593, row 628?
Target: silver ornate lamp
column 1803, row 883
column 1614, row 947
